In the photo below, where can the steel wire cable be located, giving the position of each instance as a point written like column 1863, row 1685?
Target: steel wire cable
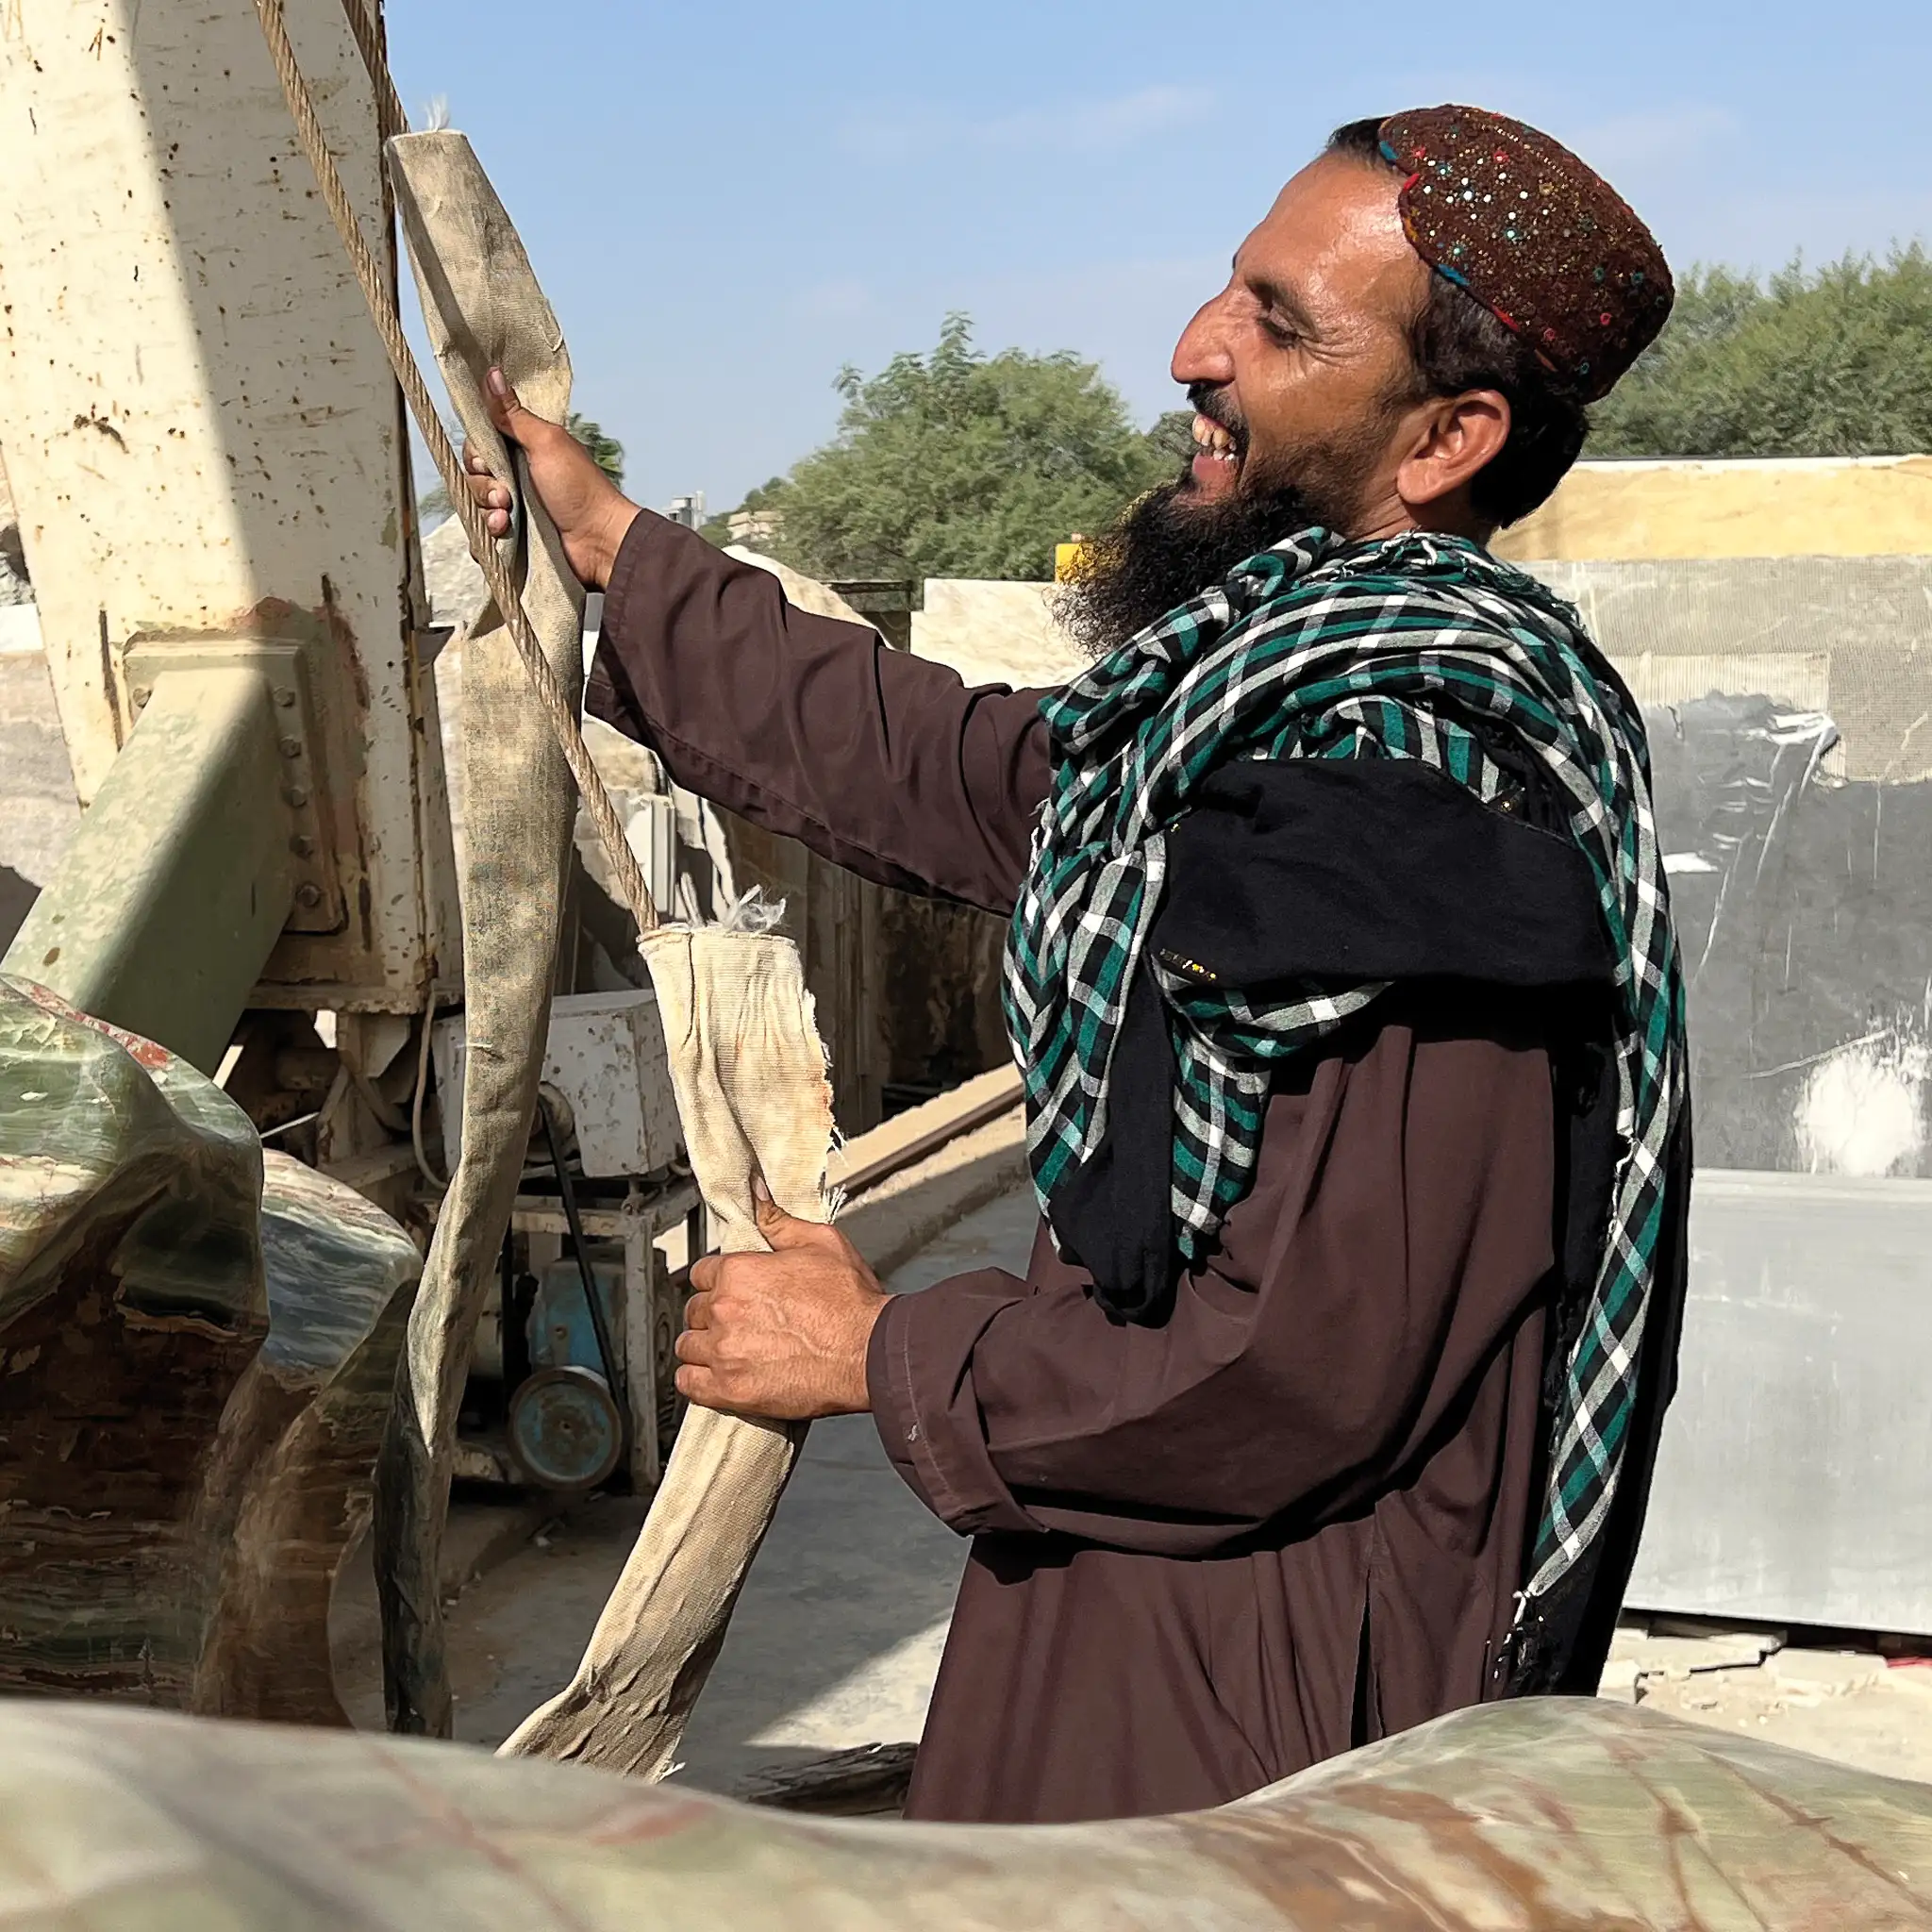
column 557, row 707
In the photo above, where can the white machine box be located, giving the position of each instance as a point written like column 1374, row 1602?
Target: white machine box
column 605, row 1058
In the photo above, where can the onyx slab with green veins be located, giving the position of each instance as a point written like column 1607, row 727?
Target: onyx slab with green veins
column 197, row 1345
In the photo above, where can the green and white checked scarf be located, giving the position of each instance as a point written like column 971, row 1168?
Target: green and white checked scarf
column 1416, row 646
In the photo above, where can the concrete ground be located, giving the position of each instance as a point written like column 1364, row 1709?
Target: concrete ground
column 1853, row 1705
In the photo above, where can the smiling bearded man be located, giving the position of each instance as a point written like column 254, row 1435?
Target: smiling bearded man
column 1341, row 978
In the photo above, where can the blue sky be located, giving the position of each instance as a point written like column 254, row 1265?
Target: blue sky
column 728, row 202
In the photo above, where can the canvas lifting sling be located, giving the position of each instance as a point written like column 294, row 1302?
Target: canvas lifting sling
column 746, row 1062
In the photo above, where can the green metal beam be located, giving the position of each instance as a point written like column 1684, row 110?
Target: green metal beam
column 180, row 878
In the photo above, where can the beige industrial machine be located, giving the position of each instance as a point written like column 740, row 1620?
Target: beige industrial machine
column 206, row 449
column 208, row 454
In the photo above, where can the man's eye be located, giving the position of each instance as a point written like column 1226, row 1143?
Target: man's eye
column 1279, row 331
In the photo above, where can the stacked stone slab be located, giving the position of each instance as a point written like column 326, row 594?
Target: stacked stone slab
column 196, row 1350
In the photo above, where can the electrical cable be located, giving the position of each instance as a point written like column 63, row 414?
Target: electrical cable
column 566, row 1189
column 423, row 1166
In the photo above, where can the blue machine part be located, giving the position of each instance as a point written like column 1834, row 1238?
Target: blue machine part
column 565, row 1432
column 558, row 1332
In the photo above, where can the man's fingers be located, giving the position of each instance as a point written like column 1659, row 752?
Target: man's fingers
column 501, row 398
column 505, row 411
column 697, row 1311
column 485, row 492
column 706, row 1388
column 782, row 1230
column 696, row 1345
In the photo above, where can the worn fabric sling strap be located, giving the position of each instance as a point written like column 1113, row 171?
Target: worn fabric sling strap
column 750, row 1076
column 1416, row 646
column 748, row 1071
column 483, row 307
column 724, row 1480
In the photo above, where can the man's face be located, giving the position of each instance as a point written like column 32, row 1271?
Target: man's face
column 1301, row 374
column 1300, row 366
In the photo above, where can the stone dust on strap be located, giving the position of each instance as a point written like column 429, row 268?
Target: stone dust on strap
column 483, row 307
column 750, row 1075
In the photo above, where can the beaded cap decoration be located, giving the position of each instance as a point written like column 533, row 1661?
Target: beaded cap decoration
column 1537, row 237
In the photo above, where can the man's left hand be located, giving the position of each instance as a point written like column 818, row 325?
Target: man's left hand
column 783, row 1334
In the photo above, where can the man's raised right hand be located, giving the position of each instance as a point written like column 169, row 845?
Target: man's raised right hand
column 590, row 513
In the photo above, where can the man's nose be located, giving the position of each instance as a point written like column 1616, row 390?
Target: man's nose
column 1202, row 354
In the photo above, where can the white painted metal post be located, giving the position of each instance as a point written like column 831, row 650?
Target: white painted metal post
column 204, row 442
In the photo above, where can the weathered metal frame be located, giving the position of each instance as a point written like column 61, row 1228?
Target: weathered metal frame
column 181, row 876
column 204, row 440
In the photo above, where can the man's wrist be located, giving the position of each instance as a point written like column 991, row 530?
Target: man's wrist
column 623, row 513
column 855, row 1391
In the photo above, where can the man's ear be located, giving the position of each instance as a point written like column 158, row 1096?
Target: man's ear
column 1454, row 438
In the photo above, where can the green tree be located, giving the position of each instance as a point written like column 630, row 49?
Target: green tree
column 1172, row 440
column 961, row 464
column 766, row 496
column 1836, row 361
column 605, row 449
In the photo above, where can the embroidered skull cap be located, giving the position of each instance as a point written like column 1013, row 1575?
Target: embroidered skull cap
column 1539, row 238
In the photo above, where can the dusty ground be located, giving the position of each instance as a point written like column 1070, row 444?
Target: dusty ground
column 1854, row 1705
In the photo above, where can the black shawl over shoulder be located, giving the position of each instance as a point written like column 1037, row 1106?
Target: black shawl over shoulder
column 1345, row 870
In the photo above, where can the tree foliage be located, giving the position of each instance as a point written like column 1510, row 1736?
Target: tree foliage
column 956, row 463
column 1836, row 361
column 606, row 451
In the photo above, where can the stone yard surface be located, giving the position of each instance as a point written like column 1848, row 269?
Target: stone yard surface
column 1854, row 1705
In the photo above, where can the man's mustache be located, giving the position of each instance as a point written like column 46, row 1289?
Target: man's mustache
column 1210, row 400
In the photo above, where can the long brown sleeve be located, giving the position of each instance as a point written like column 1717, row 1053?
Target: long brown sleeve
column 883, row 763
column 1397, row 1234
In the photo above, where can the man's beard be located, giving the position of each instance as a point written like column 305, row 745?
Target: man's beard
column 1171, row 543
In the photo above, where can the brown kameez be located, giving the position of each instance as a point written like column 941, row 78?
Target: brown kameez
column 1293, row 1518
